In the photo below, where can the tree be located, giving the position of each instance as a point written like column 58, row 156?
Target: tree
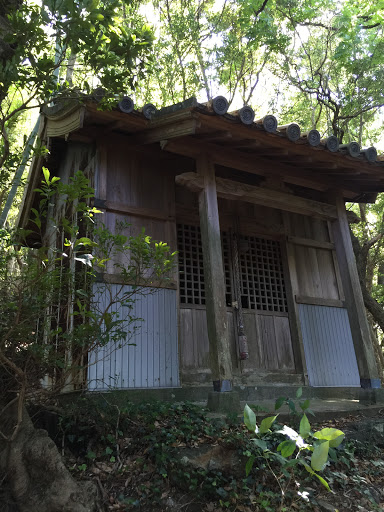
column 39, row 45
column 338, row 66
column 51, row 321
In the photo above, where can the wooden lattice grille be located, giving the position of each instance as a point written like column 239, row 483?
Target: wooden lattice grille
column 226, row 248
column 261, row 272
column 191, row 269
column 261, row 275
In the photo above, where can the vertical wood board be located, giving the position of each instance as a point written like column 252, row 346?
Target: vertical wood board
column 194, row 342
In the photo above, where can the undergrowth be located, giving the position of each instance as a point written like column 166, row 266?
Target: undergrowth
column 157, row 456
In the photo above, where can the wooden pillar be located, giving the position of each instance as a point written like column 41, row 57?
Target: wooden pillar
column 220, row 357
column 292, row 289
column 366, row 361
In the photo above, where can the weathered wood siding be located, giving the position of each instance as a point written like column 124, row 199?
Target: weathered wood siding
column 148, row 357
column 194, row 343
column 316, row 268
column 270, row 342
column 328, row 346
column 137, row 193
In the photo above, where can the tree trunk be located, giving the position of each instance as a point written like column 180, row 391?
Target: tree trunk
column 33, row 475
column 371, row 304
column 6, row 50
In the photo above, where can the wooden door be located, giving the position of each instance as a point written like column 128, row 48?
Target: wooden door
column 261, row 302
column 254, row 278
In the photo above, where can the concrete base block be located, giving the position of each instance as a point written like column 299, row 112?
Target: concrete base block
column 224, row 402
column 371, row 396
column 370, row 383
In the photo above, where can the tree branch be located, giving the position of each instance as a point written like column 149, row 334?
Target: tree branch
column 261, row 9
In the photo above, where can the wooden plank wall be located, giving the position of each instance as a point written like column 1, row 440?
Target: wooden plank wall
column 270, row 342
column 194, row 343
column 316, row 268
column 137, row 192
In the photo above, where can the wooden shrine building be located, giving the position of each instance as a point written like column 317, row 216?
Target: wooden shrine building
column 267, row 287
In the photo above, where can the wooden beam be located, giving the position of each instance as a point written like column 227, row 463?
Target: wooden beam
column 165, row 132
column 310, row 243
column 229, row 189
column 120, row 279
column 253, row 164
column 220, row 354
column 207, row 136
column 353, row 297
column 318, row 301
column 136, row 211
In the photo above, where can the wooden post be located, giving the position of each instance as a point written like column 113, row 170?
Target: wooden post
column 292, row 288
column 221, row 365
column 369, row 376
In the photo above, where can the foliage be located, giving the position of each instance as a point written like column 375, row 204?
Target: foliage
column 337, row 67
column 142, row 454
column 319, row 64
column 54, row 49
column 322, row 443
column 51, row 311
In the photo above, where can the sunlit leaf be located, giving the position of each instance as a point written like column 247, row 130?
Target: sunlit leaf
column 249, row 418
column 320, row 456
column 333, row 435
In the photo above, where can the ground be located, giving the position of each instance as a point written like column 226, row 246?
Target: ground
column 170, row 457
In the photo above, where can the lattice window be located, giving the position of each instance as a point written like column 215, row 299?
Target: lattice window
column 261, row 272
column 192, row 290
column 226, row 249
column 261, row 275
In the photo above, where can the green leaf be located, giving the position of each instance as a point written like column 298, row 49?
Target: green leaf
column 320, row 456
column 305, row 426
column 266, row 424
column 46, row 174
column 324, row 482
column 307, row 467
column 287, row 448
column 299, row 392
column 291, row 405
column 249, row 418
column 304, row 405
column 261, row 444
column 333, row 435
column 310, row 470
column 84, row 241
column 279, row 402
column 249, row 465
